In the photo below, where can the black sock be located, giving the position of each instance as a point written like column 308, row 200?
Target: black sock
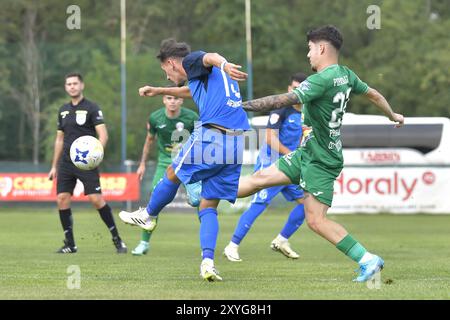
column 67, row 223
column 108, row 219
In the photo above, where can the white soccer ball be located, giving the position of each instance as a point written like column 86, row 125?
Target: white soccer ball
column 86, row 152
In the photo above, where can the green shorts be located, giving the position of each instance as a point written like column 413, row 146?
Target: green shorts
column 312, row 177
column 159, row 173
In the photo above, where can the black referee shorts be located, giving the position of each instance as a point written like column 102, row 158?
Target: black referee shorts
column 68, row 174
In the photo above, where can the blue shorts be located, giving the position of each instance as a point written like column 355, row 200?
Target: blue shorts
column 215, row 159
column 290, row 192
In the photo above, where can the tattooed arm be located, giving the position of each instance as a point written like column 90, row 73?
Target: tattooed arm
column 271, row 102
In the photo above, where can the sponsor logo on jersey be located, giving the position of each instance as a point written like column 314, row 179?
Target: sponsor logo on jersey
column 100, row 115
column 307, row 134
column 288, row 157
column 335, row 145
column 179, row 126
column 302, row 183
column 234, row 104
column 304, row 86
column 168, row 147
column 340, row 81
column 263, row 194
column 335, row 133
column 64, row 114
column 81, row 116
column 162, row 126
column 274, row 118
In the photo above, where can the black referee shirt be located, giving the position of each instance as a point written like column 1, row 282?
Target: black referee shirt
column 77, row 121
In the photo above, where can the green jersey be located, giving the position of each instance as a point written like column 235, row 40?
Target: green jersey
column 324, row 96
column 169, row 131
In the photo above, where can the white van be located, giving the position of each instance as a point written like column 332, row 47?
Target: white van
column 373, row 140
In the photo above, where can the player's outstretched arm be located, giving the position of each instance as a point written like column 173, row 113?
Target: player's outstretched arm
column 180, row 92
column 215, row 59
column 271, row 102
column 377, row 99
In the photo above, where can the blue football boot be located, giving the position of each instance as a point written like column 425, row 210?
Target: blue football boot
column 368, row 269
column 141, row 249
column 194, row 191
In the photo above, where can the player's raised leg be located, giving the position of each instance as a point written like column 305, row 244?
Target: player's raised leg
column 262, row 179
column 162, row 195
column 193, row 191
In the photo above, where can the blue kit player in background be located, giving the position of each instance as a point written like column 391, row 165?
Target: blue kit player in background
column 284, row 131
column 214, row 151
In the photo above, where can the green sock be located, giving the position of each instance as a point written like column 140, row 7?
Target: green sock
column 351, row 248
column 145, row 236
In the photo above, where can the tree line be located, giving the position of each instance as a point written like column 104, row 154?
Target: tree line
column 407, row 58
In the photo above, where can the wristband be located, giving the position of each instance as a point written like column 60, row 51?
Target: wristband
column 222, row 65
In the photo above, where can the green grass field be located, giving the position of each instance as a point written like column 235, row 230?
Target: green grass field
column 415, row 249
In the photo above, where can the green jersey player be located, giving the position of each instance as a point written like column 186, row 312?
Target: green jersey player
column 169, row 126
column 318, row 161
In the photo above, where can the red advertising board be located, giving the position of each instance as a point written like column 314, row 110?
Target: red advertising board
column 37, row 187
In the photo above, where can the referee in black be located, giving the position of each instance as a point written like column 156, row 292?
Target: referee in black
column 77, row 118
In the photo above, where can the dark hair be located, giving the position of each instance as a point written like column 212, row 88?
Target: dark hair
column 327, row 33
column 170, row 48
column 74, row 74
column 299, row 77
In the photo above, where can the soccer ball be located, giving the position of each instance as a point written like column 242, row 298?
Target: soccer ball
column 86, row 152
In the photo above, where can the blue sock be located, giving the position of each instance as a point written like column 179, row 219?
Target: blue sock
column 295, row 220
column 246, row 220
column 162, row 195
column 209, row 229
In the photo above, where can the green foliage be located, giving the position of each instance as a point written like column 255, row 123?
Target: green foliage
column 407, row 60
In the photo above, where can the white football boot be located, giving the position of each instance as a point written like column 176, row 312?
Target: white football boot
column 231, row 252
column 284, row 247
column 139, row 218
column 208, row 272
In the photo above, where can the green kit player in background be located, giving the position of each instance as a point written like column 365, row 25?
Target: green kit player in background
column 318, row 161
column 166, row 125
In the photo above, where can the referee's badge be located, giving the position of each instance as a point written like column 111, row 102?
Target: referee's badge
column 81, row 117
column 179, row 126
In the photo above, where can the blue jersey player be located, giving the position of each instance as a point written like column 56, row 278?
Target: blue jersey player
column 213, row 153
column 284, row 130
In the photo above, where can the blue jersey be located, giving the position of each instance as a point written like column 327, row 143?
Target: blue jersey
column 215, row 93
column 288, row 122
